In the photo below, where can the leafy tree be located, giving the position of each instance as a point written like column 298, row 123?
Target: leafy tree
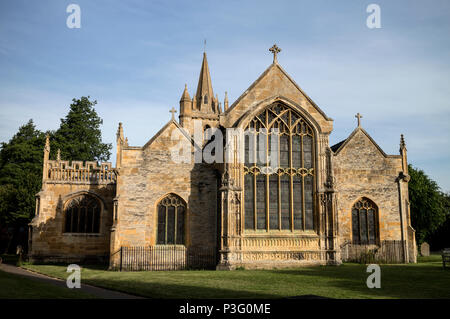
column 20, row 177
column 79, row 136
column 427, row 204
column 441, row 237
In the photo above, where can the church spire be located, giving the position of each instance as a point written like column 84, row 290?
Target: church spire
column 205, row 94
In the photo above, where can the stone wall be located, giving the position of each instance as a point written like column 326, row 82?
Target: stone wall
column 48, row 239
column 361, row 169
column 146, row 175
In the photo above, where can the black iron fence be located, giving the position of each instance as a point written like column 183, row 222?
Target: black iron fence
column 164, row 257
column 388, row 252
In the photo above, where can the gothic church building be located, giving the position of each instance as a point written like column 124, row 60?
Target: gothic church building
column 316, row 203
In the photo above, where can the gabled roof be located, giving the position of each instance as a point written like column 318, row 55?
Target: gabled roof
column 165, row 127
column 262, row 76
column 337, row 148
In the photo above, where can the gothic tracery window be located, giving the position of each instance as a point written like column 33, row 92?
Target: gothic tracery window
column 171, row 218
column 82, row 215
column 279, row 197
column 364, row 222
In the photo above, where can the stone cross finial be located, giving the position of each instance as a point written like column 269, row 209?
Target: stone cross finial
column 173, row 111
column 359, row 116
column 275, row 50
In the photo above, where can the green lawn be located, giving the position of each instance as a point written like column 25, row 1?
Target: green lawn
column 426, row 279
column 14, row 286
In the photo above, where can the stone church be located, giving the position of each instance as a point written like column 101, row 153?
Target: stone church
column 318, row 200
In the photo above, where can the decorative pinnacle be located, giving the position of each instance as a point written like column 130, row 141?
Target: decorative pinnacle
column 173, row 111
column 275, row 50
column 359, row 116
column 58, row 155
column 402, row 142
column 119, row 134
column 47, row 143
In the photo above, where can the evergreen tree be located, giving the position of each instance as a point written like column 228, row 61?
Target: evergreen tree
column 20, row 174
column 79, row 136
column 20, row 180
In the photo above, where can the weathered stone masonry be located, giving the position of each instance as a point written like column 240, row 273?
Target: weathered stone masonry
column 128, row 195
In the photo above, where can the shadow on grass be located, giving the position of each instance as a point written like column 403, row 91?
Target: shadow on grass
column 153, row 284
column 173, row 291
column 397, row 281
column 424, row 280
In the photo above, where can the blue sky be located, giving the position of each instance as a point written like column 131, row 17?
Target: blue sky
column 134, row 58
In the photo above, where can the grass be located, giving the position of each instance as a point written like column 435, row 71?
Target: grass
column 14, row 287
column 426, row 279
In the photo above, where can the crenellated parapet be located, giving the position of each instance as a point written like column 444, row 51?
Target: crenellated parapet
column 89, row 172
column 75, row 172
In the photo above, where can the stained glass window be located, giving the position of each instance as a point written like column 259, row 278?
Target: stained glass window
column 282, row 194
column 82, row 215
column 171, row 217
column 364, row 222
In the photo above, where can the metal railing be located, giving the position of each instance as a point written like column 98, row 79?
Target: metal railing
column 163, row 257
column 388, row 252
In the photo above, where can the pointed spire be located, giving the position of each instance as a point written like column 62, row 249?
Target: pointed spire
column 185, row 96
column 205, row 92
column 225, row 102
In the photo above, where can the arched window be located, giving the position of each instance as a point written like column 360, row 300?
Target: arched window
column 279, row 196
column 205, row 99
column 82, row 215
column 206, row 136
column 365, row 222
column 171, row 217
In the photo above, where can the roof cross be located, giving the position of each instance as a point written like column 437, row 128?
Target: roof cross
column 173, row 111
column 275, row 50
column 359, row 116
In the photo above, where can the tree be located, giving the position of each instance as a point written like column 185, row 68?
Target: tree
column 20, row 177
column 440, row 238
column 79, row 136
column 428, row 211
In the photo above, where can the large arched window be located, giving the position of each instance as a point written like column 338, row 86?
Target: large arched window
column 82, row 215
column 280, row 196
column 365, row 222
column 171, row 217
